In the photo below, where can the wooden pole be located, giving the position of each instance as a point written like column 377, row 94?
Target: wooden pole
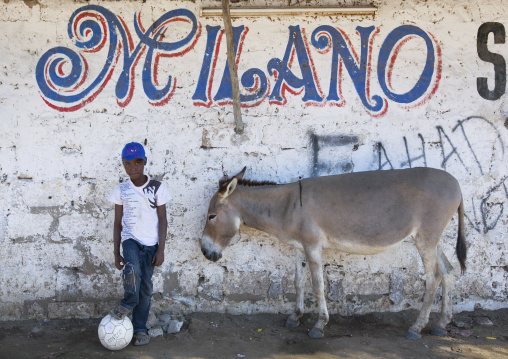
column 232, row 66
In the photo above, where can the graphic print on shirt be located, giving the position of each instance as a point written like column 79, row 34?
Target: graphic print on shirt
column 150, row 191
column 130, row 203
column 140, row 219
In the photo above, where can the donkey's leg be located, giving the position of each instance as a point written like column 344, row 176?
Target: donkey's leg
column 432, row 280
column 447, row 285
column 294, row 319
column 316, row 270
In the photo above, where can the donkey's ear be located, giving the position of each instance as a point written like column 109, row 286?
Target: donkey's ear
column 241, row 173
column 228, row 188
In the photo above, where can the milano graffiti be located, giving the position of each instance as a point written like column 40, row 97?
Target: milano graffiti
column 63, row 74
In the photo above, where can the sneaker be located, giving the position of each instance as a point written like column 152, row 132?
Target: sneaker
column 119, row 312
column 142, row 338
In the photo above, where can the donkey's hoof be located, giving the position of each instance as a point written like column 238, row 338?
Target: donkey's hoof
column 412, row 335
column 316, row 333
column 440, row 332
column 290, row 323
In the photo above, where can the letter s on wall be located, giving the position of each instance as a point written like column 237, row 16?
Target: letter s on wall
column 499, row 62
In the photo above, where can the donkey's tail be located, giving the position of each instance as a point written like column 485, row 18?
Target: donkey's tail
column 461, row 248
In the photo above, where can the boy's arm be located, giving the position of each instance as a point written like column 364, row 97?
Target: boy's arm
column 158, row 257
column 117, row 236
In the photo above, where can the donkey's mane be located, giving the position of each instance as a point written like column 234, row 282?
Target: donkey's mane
column 247, row 183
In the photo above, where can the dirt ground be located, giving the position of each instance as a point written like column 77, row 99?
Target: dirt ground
column 480, row 334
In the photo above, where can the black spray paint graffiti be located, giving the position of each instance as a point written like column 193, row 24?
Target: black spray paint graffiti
column 319, row 144
column 331, row 154
column 488, row 212
column 445, row 141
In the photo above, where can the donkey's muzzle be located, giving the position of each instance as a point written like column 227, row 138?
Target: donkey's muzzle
column 211, row 255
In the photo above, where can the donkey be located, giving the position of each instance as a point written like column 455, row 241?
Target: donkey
column 357, row 213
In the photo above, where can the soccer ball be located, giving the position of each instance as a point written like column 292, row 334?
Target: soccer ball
column 115, row 334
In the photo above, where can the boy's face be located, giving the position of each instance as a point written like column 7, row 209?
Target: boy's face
column 135, row 169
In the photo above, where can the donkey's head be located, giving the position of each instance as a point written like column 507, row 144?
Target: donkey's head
column 222, row 220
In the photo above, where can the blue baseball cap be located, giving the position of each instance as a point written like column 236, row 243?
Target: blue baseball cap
column 132, row 151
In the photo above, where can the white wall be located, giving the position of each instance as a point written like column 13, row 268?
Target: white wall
column 58, row 164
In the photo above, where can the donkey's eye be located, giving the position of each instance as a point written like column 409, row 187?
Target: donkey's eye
column 212, row 216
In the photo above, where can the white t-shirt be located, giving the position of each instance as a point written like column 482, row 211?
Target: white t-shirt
column 139, row 220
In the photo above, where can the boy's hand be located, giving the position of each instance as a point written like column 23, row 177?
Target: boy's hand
column 158, row 258
column 119, row 262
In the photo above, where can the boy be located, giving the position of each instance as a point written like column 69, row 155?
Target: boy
column 140, row 226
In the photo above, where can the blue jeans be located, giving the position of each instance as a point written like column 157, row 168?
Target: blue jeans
column 137, row 281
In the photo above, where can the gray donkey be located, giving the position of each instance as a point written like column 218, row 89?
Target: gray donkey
column 358, row 213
